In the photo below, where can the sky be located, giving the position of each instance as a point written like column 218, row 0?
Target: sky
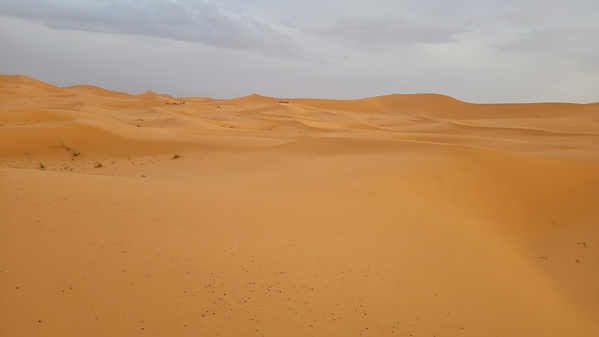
column 480, row 51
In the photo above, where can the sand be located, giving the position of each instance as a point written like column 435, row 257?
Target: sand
column 399, row 215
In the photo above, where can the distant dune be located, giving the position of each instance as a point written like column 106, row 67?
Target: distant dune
column 398, row 215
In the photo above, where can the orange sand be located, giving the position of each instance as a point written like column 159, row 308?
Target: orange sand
column 401, row 215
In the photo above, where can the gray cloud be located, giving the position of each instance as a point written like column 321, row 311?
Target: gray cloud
column 189, row 21
column 589, row 63
column 543, row 40
column 386, row 32
column 567, row 43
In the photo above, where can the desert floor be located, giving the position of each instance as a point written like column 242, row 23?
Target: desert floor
column 399, row 215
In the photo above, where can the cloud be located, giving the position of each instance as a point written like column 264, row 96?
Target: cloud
column 589, row 63
column 542, row 40
column 190, row 21
column 567, row 43
column 386, row 32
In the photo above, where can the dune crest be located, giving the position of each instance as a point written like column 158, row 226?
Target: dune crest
column 258, row 216
column 22, row 79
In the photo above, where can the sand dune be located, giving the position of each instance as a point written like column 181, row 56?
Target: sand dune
column 399, row 215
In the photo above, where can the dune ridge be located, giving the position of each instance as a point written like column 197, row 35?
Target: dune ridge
column 399, row 215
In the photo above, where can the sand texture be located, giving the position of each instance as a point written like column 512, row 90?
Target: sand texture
column 400, row 215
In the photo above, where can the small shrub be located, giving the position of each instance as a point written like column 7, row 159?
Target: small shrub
column 97, row 165
column 41, row 166
column 76, row 153
column 176, row 155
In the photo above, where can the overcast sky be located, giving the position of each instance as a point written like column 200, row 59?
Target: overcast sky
column 473, row 50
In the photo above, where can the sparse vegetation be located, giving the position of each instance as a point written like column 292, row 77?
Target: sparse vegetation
column 65, row 147
column 76, row 153
column 41, row 166
column 176, row 155
column 97, row 165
